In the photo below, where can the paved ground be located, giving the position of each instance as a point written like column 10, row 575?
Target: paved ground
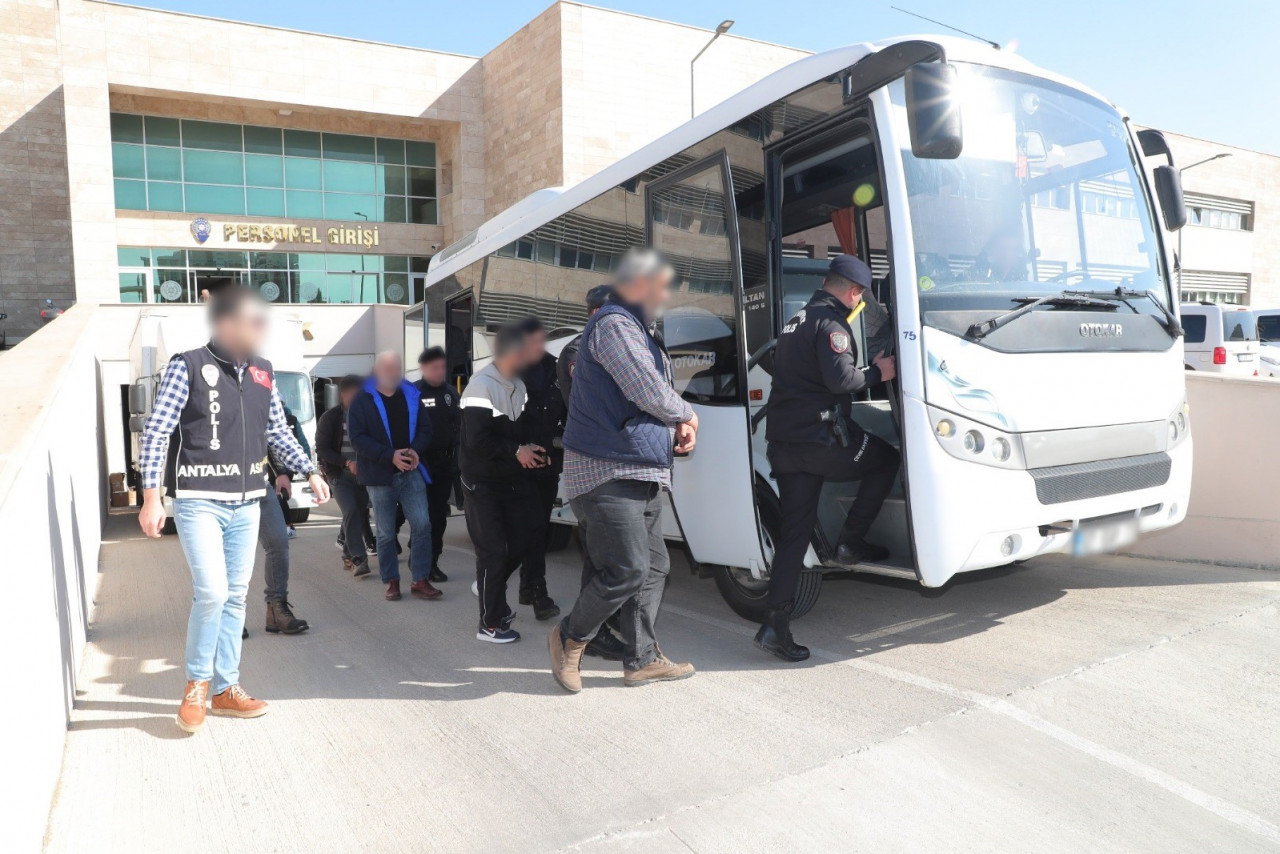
column 1109, row 704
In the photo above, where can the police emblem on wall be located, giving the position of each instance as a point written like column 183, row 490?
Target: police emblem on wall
column 210, row 374
column 201, row 228
column 395, row 292
column 171, row 290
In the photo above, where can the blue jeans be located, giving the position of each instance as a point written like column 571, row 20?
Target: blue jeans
column 409, row 490
column 218, row 539
column 273, row 534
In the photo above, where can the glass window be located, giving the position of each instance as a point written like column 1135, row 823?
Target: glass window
column 259, row 140
column 126, row 128
column 394, row 209
column 217, row 260
column 162, row 131
column 393, row 180
column 395, row 288
column 164, row 164
column 272, row 285
column 171, row 257
column 133, row 287
column 1239, row 326
column 418, row 264
column 131, row 195
column 213, row 167
column 268, row 261
column 352, row 263
column 422, row 182
column 423, row 211
column 163, row 196
column 302, row 143
column 350, row 207
column 341, row 146
column 263, row 170
column 337, row 288
column 1269, row 328
column 1194, row 326
column 420, row 153
column 391, row 151
column 215, row 136
column 296, row 394
column 300, row 174
column 171, row 286
column 206, row 198
column 395, row 263
column 127, row 161
column 132, row 256
column 309, row 286
column 262, row 202
column 349, row 177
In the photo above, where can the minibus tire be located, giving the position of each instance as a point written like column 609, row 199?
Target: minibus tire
column 298, row 515
column 748, row 597
column 558, row 536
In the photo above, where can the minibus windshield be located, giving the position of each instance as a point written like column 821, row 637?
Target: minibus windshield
column 1046, row 196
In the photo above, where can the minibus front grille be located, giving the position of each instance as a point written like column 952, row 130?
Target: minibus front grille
column 1057, row 484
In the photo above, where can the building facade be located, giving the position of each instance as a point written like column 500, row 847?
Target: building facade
column 146, row 156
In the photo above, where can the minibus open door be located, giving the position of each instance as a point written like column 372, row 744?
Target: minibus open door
column 691, row 219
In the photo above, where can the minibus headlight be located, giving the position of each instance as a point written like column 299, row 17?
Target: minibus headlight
column 1179, row 424
column 975, row 442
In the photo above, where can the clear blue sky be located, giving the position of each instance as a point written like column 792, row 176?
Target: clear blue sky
column 1208, row 69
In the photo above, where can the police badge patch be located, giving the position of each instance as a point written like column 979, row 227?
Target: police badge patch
column 840, row 342
column 210, row 374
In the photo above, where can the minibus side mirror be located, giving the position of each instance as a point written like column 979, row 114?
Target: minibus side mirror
column 933, row 112
column 138, row 402
column 331, row 396
column 1169, row 192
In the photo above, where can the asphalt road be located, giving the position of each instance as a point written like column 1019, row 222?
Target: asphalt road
column 1066, row 705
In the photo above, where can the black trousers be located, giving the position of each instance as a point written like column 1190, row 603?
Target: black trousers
column 533, row 568
column 439, row 491
column 499, row 520
column 800, row 470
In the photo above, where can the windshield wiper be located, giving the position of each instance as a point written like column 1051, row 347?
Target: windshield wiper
column 1171, row 324
column 1071, row 299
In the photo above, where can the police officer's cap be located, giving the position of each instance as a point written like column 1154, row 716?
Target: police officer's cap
column 852, row 268
column 598, row 296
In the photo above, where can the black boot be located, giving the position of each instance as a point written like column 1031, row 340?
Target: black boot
column 606, row 645
column 280, row 618
column 775, row 638
column 437, row 575
column 854, row 548
column 544, row 607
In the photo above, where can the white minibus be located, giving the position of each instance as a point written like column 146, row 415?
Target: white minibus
column 1019, row 239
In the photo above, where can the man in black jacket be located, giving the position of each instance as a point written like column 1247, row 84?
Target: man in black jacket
column 498, row 497
column 812, row 439
column 337, row 457
column 442, row 404
column 596, row 298
column 391, row 440
column 541, row 424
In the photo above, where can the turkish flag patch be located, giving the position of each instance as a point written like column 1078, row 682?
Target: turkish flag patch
column 260, row 376
column 840, row 342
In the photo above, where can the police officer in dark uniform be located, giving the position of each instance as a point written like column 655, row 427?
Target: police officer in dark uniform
column 441, row 403
column 813, row 439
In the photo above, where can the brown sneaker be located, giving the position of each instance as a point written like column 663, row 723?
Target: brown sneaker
column 566, row 660
column 235, row 703
column 191, row 712
column 661, row 669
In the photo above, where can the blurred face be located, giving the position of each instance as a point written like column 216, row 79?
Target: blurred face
column 649, row 292
column 433, row 371
column 535, row 347
column 388, row 371
column 345, row 397
column 242, row 333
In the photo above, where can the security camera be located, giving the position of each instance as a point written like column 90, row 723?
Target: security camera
column 435, row 246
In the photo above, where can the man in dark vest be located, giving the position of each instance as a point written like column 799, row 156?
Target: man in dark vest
column 222, row 401
column 443, row 405
column 625, row 422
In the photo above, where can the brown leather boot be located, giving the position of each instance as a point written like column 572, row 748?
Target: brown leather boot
column 235, row 703
column 425, row 590
column 280, row 619
column 393, row 591
column 191, row 712
column 566, row 660
column 661, row 669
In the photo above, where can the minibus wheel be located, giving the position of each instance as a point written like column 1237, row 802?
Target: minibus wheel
column 558, row 537
column 747, row 595
column 298, row 515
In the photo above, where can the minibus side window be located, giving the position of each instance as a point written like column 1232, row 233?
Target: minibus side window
column 1194, row 326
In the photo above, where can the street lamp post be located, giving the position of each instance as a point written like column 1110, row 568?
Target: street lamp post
column 720, row 30
column 1217, row 156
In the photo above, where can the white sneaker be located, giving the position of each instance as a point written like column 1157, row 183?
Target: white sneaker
column 475, row 589
column 293, row 532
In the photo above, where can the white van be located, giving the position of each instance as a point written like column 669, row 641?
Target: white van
column 1220, row 339
column 1268, row 341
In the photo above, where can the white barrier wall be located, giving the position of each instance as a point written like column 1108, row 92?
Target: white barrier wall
column 52, row 506
column 1234, row 515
